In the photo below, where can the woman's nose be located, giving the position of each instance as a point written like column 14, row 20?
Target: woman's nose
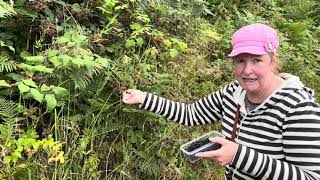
column 247, row 68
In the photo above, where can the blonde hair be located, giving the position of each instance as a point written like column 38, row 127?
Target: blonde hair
column 277, row 62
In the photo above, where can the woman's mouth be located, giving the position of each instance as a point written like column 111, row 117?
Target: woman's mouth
column 249, row 79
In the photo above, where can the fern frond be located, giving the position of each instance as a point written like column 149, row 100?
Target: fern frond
column 147, row 168
column 96, row 86
column 81, row 79
column 112, row 127
column 6, row 10
column 53, row 76
column 8, row 108
column 7, row 65
column 76, row 118
column 96, row 70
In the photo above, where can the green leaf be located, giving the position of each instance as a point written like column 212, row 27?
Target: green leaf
column 50, row 101
column 133, row 139
column 7, row 159
column 103, row 61
column 3, row 83
column 80, row 38
column 130, row 43
column 15, row 77
column 14, row 158
column 126, row 60
column 89, row 64
column 36, row 95
column 30, row 83
column 26, row 13
column 55, row 61
column 124, row 6
column 25, row 67
column 41, row 68
column 52, row 53
column 154, row 51
column 68, row 35
column 16, row 154
column 32, row 133
column 19, row 148
column 34, row 59
column 139, row 41
column 65, row 59
column 24, row 54
column 24, row 142
column 135, row 26
column 37, row 144
column 110, row 49
column 70, row 44
column 3, row 44
column 60, row 2
column 29, row 69
column 60, row 91
column 23, row 88
column 132, row 136
column 174, row 40
column 78, row 61
column 173, row 53
column 45, row 88
column 76, row 7
column 167, row 43
column 62, row 40
column 211, row 34
column 6, row 9
column 88, row 57
column 182, row 46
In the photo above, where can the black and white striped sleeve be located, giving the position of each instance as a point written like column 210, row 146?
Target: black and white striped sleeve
column 203, row 111
column 301, row 148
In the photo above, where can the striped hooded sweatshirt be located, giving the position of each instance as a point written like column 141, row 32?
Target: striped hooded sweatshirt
column 280, row 139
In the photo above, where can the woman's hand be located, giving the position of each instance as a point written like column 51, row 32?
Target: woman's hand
column 133, row 96
column 224, row 155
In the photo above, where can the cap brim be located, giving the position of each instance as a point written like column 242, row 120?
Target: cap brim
column 248, row 49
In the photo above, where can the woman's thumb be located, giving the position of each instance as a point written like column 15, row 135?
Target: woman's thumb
column 218, row 140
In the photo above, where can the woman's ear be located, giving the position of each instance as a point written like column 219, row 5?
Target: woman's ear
column 275, row 63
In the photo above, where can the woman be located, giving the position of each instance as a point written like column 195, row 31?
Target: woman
column 271, row 121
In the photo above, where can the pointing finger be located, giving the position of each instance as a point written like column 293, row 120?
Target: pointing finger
column 207, row 154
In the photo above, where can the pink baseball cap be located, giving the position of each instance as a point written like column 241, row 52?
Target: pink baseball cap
column 258, row 39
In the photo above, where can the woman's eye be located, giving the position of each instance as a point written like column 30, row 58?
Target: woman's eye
column 239, row 61
column 257, row 60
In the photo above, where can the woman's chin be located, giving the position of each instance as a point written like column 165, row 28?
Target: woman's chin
column 252, row 90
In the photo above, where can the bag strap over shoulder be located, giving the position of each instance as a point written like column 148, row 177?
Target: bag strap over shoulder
column 235, row 123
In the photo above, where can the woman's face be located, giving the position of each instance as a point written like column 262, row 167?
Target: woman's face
column 254, row 72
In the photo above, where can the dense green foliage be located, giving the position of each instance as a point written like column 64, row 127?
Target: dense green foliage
column 64, row 65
